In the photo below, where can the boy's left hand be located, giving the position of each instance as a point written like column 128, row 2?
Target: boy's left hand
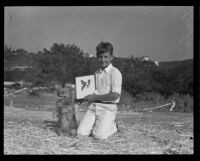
column 90, row 97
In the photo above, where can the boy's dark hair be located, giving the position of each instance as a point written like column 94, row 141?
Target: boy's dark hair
column 103, row 47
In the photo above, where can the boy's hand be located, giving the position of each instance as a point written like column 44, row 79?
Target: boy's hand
column 90, row 98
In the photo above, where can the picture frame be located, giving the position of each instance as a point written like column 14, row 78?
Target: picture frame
column 85, row 85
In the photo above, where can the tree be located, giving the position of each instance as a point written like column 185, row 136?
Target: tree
column 62, row 63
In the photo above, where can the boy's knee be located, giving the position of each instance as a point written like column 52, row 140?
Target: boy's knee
column 81, row 131
column 100, row 136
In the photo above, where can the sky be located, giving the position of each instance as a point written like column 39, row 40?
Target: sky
column 159, row 32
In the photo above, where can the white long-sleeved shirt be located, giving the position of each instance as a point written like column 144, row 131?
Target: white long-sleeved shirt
column 109, row 80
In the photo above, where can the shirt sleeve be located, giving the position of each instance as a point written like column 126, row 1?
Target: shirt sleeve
column 116, row 81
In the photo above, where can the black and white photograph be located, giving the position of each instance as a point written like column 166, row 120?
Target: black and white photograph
column 130, row 66
column 85, row 85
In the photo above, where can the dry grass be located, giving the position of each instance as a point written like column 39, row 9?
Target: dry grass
column 31, row 132
column 26, row 132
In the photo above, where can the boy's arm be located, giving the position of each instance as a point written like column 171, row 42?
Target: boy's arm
column 114, row 93
column 104, row 98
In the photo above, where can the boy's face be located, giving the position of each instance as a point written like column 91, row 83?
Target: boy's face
column 104, row 59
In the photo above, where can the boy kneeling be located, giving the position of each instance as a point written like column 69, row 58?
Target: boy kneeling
column 99, row 119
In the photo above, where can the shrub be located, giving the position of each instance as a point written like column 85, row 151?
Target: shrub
column 151, row 97
column 35, row 93
column 184, row 102
column 126, row 100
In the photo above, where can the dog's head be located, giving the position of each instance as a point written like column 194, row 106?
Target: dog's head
column 67, row 93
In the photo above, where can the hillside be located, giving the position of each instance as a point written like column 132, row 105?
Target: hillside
column 162, row 64
column 17, row 59
column 62, row 63
column 174, row 64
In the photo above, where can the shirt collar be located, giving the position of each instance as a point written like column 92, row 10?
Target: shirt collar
column 107, row 69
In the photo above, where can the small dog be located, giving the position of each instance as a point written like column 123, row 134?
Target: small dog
column 65, row 111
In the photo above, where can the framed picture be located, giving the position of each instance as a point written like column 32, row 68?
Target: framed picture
column 85, row 85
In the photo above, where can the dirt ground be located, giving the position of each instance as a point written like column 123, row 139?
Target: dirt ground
column 139, row 133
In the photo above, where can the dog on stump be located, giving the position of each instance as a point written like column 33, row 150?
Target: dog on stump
column 65, row 111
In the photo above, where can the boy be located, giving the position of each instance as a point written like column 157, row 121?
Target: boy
column 99, row 119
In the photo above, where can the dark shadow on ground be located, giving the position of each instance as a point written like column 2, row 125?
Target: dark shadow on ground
column 49, row 123
column 53, row 125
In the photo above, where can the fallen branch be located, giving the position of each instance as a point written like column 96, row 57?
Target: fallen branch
column 16, row 92
column 171, row 103
column 30, row 90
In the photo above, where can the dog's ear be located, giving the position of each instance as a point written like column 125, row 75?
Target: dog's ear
column 58, row 89
column 73, row 95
